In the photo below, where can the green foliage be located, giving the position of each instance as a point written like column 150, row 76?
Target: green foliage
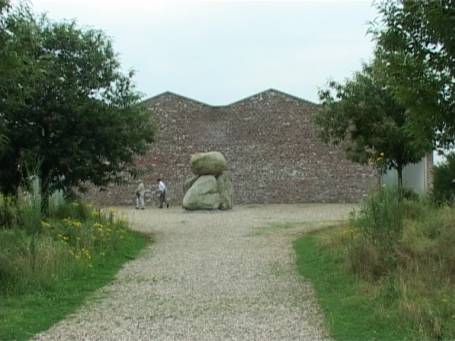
column 425, row 277
column 25, row 267
column 351, row 311
column 67, row 273
column 3, row 4
column 444, row 181
column 8, row 212
column 363, row 115
column 379, row 226
column 48, row 266
column 413, row 277
column 380, row 218
column 416, row 51
column 3, row 142
column 75, row 209
column 29, row 213
column 410, row 194
column 35, row 252
column 66, row 103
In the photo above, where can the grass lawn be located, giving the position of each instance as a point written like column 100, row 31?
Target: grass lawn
column 350, row 312
column 24, row 315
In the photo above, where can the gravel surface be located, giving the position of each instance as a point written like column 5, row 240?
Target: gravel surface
column 209, row 276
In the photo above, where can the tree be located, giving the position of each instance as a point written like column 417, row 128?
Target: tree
column 67, row 106
column 3, row 8
column 416, row 44
column 364, row 117
column 443, row 181
column 14, row 61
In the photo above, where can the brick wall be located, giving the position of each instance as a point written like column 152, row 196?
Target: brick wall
column 269, row 141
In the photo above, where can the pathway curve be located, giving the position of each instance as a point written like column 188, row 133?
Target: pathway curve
column 209, row 276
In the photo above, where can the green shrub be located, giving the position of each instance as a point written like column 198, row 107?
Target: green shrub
column 8, row 212
column 46, row 275
column 404, row 250
column 379, row 226
column 29, row 216
column 409, row 194
column 380, row 218
column 49, row 263
column 426, row 271
column 444, row 181
column 23, row 268
column 36, row 251
column 416, row 209
column 61, row 209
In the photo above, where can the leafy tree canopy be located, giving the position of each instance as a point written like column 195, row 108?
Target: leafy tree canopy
column 443, row 182
column 416, row 48
column 65, row 103
column 364, row 117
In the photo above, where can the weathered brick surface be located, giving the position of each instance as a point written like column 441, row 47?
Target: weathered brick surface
column 270, row 144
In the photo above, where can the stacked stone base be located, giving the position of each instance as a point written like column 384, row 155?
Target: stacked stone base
column 211, row 187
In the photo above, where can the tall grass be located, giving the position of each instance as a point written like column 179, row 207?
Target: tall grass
column 404, row 252
column 378, row 227
column 49, row 264
column 29, row 263
column 37, row 250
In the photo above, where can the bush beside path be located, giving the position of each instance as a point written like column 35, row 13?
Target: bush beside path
column 210, row 275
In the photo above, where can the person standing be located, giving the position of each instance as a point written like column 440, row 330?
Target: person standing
column 140, row 193
column 162, row 190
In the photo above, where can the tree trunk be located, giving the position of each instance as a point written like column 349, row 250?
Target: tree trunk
column 45, row 174
column 400, row 179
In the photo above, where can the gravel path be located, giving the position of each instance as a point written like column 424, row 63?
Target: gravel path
column 209, row 276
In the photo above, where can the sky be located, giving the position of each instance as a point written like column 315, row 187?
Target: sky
column 218, row 52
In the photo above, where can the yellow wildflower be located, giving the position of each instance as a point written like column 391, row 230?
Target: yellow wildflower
column 45, row 224
column 68, row 221
column 77, row 223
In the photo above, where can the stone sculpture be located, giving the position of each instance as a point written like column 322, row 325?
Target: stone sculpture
column 211, row 187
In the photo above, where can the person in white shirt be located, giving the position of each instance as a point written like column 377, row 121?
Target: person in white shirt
column 140, row 193
column 162, row 189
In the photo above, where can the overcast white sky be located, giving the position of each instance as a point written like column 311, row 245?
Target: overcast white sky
column 221, row 51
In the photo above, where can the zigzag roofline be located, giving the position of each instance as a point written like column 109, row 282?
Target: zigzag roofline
column 233, row 103
column 170, row 93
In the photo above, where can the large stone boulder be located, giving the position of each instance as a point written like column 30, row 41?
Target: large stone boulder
column 189, row 182
column 203, row 194
column 226, row 191
column 212, row 163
